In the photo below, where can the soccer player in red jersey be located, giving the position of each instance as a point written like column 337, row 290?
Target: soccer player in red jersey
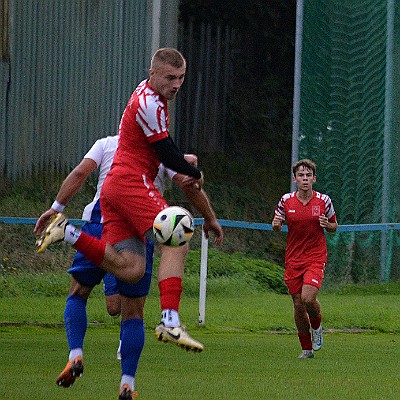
column 130, row 202
column 308, row 214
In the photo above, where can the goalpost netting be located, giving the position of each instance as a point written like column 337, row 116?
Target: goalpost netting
column 348, row 122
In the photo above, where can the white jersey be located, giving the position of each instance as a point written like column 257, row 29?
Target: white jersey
column 163, row 172
column 102, row 153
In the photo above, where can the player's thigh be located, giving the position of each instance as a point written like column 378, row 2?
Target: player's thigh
column 309, row 293
column 172, row 261
column 138, row 289
column 85, row 272
column 314, row 275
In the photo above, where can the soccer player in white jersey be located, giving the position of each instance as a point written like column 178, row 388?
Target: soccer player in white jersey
column 86, row 275
column 308, row 214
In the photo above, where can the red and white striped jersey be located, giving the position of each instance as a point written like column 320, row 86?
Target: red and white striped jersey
column 144, row 121
column 306, row 238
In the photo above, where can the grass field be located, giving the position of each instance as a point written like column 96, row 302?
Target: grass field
column 244, row 356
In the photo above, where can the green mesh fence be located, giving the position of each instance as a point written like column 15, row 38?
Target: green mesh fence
column 349, row 125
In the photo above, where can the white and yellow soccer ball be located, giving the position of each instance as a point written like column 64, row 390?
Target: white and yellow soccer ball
column 173, row 226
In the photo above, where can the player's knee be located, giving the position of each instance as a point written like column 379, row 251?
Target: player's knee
column 184, row 249
column 132, row 269
column 114, row 312
column 113, row 303
column 309, row 302
column 80, row 290
column 134, row 275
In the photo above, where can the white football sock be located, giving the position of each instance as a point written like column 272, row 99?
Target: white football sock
column 129, row 380
column 75, row 353
column 71, row 234
column 119, row 351
column 170, row 318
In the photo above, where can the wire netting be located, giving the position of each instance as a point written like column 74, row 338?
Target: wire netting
column 349, row 112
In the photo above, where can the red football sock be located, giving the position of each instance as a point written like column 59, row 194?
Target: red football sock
column 315, row 322
column 92, row 248
column 305, row 341
column 170, row 293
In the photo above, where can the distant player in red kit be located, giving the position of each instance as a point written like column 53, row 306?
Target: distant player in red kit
column 307, row 213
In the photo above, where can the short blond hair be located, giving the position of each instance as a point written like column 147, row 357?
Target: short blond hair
column 168, row 55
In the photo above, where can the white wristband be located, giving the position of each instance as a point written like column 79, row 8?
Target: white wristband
column 58, row 206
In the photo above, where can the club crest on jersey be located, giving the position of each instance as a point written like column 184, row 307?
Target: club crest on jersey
column 316, row 211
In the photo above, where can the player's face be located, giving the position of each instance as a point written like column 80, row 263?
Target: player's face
column 304, row 178
column 167, row 80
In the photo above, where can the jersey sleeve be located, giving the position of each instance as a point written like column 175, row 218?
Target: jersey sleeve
column 152, row 117
column 329, row 210
column 96, row 152
column 280, row 208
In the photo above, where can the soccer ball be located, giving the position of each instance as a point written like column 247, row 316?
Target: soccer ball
column 173, row 226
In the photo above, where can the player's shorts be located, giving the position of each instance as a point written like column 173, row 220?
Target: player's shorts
column 110, row 284
column 113, row 285
column 88, row 274
column 83, row 270
column 129, row 207
column 306, row 274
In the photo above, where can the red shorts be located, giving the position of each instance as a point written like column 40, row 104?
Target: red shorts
column 306, row 274
column 129, row 207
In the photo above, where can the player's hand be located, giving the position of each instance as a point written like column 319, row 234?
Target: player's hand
column 188, row 181
column 43, row 221
column 191, row 159
column 329, row 226
column 323, row 221
column 185, row 181
column 277, row 222
column 214, row 226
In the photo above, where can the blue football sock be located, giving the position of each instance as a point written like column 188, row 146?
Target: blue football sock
column 75, row 321
column 132, row 342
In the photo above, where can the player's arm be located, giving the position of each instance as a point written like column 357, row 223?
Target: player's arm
column 75, row 180
column 199, row 199
column 277, row 222
column 173, row 159
column 185, row 180
column 328, row 219
column 330, row 225
column 279, row 215
column 71, row 185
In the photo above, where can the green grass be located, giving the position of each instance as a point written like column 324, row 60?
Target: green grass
column 245, row 357
column 255, row 312
column 251, row 344
column 234, row 365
